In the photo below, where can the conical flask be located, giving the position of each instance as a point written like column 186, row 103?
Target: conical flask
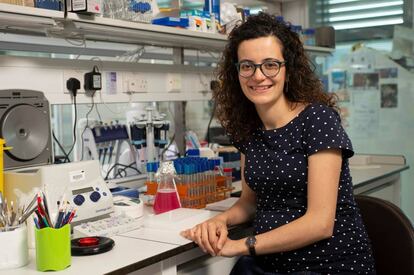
column 167, row 197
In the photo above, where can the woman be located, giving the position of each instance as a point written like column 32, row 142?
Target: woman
column 296, row 183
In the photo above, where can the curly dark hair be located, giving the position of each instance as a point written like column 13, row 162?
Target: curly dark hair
column 236, row 113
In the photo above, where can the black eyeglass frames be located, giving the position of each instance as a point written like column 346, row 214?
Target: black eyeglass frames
column 269, row 68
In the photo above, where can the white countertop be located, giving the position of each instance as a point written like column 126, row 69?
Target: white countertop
column 145, row 246
column 127, row 251
column 132, row 247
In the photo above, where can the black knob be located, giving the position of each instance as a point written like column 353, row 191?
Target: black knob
column 79, row 200
column 95, row 196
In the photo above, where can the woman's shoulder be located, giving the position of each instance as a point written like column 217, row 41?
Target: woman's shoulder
column 318, row 110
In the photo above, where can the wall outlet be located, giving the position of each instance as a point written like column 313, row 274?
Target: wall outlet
column 79, row 74
column 135, row 83
column 174, row 83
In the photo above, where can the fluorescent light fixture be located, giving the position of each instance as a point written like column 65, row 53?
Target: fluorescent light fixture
column 366, row 6
column 16, row 20
column 335, row 2
column 364, row 24
column 149, row 35
column 365, row 15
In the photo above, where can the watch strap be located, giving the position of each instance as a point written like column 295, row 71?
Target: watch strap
column 251, row 244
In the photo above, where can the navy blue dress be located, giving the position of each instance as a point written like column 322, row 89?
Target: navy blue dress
column 276, row 170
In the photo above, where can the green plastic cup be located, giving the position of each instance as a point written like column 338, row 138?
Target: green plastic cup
column 53, row 248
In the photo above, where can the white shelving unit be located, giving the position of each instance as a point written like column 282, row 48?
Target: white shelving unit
column 34, row 29
column 106, row 29
column 14, row 18
column 19, row 19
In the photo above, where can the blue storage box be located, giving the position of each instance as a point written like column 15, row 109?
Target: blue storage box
column 171, row 22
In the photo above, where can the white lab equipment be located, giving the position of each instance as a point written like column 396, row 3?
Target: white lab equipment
column 110, row 226
column 149, row 132
column 131, row 207
column 80, row 183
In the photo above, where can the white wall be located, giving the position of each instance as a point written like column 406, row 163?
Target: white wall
column 50, row 75
column 296, row 12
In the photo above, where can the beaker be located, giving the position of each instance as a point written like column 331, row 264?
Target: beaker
column 167, row 197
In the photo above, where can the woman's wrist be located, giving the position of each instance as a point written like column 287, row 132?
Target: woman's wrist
column 222, row 219
column 242, row 247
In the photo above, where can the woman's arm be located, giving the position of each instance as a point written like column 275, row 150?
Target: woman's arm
column 317, row 223
column 243, row 210
column 212, row 234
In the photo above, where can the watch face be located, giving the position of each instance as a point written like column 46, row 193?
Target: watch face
column 251, row 241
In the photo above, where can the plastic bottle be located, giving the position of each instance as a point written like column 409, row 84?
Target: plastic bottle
column 189, row 184
column 220, row 178
column 212, row 6
column 228, row 174
column 212, row 180
column 181, row 183
column 151, row 182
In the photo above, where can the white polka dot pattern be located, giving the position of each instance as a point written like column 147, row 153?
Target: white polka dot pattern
column 276, row 169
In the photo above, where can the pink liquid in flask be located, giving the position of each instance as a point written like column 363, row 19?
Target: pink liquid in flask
column 166, row 200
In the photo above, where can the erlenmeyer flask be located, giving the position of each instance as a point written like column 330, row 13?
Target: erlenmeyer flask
column 166, row 198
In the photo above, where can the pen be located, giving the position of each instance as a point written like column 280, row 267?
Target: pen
column 60, row 216
column 36, row 222
column 71, row 216
column 46, row 223
column 42, row 212
column 45, row 204
column 66, row 218
column 39, row 219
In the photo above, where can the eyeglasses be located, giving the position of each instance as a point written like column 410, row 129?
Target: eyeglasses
column 269, row 68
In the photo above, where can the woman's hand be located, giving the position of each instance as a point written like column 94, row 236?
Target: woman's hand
column 210, row 235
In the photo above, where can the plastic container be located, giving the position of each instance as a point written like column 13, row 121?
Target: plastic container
column 14, row 252
column 228, row 174
column 53, row 248
column 151, row 182
column 172, row 22
column 308, row 36
column 212, row 6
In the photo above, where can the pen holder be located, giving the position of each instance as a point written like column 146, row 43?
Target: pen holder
column 13, row 247
column 53, row 248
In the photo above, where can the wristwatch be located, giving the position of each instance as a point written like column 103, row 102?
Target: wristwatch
column 251, row 244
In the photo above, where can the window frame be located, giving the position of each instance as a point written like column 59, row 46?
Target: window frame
column 366, row 33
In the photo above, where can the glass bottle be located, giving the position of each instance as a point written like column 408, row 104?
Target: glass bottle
column 167, row 197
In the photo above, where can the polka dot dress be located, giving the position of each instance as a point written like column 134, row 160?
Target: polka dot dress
column 276, row 170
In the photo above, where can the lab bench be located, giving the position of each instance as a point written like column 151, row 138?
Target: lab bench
column 144, row 251
column 165, row 252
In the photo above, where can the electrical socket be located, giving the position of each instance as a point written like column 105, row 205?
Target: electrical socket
column 76, row 74
column 135, row 83
column 174, row 83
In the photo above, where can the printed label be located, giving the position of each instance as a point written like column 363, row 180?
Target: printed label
column 76, row 176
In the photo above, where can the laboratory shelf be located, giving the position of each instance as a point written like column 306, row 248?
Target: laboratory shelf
column 107, row 29
column 14, row 18
column 34, row 12
column 29, row 20
column 319, row 50
column 99, row 28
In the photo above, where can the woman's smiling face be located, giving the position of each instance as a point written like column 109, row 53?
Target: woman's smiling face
column 259, row 88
